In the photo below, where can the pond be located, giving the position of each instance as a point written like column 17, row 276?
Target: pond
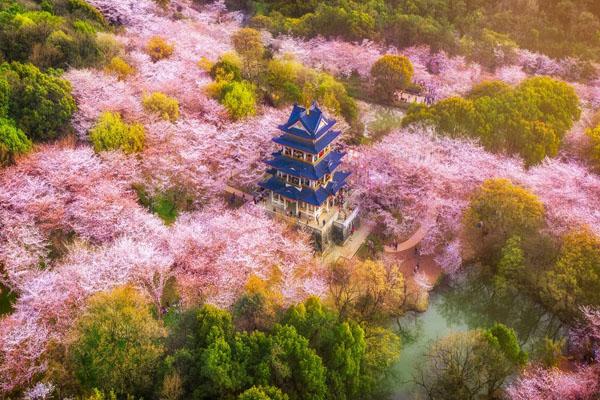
column 467, row 302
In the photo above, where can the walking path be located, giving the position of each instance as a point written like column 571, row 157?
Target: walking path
column 409, row 243
column 239, row 193
column 351, row 247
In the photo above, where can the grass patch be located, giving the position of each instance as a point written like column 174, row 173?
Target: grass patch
column 7, row 299
column 166, row 205
column 385, row 121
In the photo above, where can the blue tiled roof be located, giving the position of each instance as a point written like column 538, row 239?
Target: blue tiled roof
column 310, row 196
column 308, row 147
column 310, row 121
column 305, row 170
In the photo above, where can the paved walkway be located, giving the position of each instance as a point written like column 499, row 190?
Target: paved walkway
column 239, row 193
column 351, row 247
column 409, row 243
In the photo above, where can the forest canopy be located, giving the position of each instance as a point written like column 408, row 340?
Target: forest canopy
column 477, row 29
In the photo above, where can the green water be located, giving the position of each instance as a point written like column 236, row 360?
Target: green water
column 463, row 304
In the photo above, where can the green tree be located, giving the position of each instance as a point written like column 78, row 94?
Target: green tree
column 239, row 99
column 489, row 89
column 530, row 120
column 574, row 280
column 497, row 211
column 40, row 103
column 505, row 339
column 258, row 306
column 367, row 291
column 158, row 48
column 593, row 151
column 12, row 142
column 468, row 365
column 511, row 266
column 112, row 133
column 492, row 49
column 283, row 81
column 4, row 98
column 295, row 367
column 248, row 44
column 215, row 361
column 553, row 102
column 341, row 345
column 263, row 393
column 117, row 343
column 161, row 104
column 391, row 73
column 358, row 360
column 228, row 68
column 119, row 67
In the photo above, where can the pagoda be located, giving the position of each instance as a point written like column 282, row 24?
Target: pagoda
column 303, row 182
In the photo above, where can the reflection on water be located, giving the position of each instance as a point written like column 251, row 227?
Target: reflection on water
column 468, row 302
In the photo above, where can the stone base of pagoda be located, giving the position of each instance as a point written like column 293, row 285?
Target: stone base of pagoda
column 332, row 226
column 320, row 223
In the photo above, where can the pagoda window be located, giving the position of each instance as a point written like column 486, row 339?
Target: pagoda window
column 305, row 182
column 321, row 153
column 287, row 151
column 298, row 125
column 322, row 124
column 295, row 180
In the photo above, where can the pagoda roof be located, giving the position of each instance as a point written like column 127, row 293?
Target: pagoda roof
column 305, row 170
column 311, row 147
column 307, row 123
column 307, row 195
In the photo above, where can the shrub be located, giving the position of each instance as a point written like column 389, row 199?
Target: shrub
column 390, row 74
column 40, row 103
column 263, row 393
column 158, row 49
column 228, row 68
column 163, row 105
column 111, row 133
column 108, row 46
column 164, row 4
column 4, row 97
column 12, row 142
column 574, row 279
column 594, row 147
column 239, row 99
column 120, row 68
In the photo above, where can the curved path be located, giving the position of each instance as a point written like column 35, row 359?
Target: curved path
column 409, row 243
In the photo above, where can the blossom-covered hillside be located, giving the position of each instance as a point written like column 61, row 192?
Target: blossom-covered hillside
column 75, row 223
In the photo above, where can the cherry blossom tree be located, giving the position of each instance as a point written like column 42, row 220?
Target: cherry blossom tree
column 430, row 178
column 555, row 384
column 217, row 250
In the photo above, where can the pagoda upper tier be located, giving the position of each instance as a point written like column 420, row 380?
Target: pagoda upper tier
column 307, row 130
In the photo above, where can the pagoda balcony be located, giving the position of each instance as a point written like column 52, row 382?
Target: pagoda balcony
column 301, row 169
column 311, row 147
